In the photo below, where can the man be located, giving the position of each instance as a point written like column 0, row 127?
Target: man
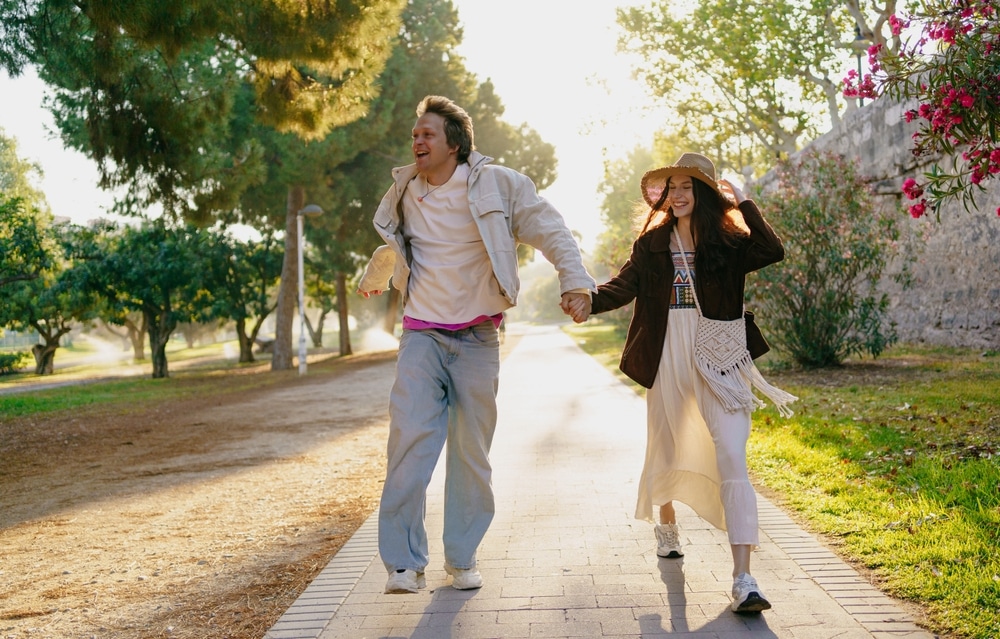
column 451, row 223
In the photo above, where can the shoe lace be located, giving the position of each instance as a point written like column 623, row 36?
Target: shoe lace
column 668, row 537
column 744, row 582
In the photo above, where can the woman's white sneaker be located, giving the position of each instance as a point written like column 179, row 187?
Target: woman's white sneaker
column 668, row 541
column 747, row 596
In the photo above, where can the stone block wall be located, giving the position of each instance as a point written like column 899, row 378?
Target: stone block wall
column 954, row 295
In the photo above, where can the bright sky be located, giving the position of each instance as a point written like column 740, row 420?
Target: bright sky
column 554, row 66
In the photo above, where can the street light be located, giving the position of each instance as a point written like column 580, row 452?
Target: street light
column 310, row 210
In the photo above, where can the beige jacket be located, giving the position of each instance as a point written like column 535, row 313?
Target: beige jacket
column 507, row 210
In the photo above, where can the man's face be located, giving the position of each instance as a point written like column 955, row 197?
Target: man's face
column 430, row 147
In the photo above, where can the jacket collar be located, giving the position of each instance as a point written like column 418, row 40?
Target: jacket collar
column 659, row 240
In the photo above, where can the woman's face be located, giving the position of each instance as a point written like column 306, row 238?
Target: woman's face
column 680, row 195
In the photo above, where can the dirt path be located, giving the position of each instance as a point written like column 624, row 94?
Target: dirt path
column 201, row 519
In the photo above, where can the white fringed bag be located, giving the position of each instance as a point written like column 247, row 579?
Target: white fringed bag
column 724, row 362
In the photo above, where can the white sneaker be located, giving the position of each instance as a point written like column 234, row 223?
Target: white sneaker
column 464, row 578
column 401, row 581
column 668, row 541
column 747, row 596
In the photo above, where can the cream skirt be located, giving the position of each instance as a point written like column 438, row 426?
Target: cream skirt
column 695, row 450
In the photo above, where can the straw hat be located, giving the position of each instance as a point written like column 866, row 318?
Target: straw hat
column 693, row 165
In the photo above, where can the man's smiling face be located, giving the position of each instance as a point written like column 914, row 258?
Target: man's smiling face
column 435, row 160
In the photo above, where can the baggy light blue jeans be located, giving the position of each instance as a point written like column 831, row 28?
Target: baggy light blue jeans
column 445, row 390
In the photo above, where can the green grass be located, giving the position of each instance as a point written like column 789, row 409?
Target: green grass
column 127, row 386
column 895, row 461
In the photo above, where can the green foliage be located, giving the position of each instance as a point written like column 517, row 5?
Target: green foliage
column 240, row 284
column 17, row 174
column 10, row 362
column 51, row 305
column 23, row 251
column 162, row 271
column 950, row 67
column 743, row 74
column 623, row 211
column 898, row 463
column 148, row 89
column 822, row 304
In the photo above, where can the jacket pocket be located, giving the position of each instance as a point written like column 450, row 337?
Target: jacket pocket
column 489, row 203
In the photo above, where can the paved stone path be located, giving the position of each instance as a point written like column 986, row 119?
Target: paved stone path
column 565, row 558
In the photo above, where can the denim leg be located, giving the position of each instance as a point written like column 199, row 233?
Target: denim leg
column 418, row 425
column 473, row 374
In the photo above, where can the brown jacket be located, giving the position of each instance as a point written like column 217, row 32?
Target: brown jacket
column 648, row 276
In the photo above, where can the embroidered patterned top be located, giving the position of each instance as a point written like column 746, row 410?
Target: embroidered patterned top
column 680, row 294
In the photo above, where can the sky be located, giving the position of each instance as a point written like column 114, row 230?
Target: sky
column 553, row 64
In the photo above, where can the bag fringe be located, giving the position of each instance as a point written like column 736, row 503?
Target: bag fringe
column 733, row 387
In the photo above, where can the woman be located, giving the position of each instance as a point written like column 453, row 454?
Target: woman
column 695, row 448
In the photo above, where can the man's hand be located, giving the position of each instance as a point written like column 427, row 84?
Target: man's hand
column 368, row 294
column 576, row 305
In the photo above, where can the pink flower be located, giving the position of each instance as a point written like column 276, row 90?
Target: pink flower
column 912, row 189
column 896, row 25
column 967, row 100
column 917, row 210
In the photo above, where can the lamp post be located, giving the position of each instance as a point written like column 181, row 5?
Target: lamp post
column 310, row 210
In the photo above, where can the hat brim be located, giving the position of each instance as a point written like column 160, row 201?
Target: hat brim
column 653, row 182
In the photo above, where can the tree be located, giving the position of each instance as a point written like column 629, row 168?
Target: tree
column 949, row 67
column 23, row 253
column 156, row 269
column 134, row 330
column 146, row 88
column 24, row 217
column 621, row 208
column 347, row 172
column 151, row 91
column 748, row 80
column 241, row 280
column 52, row 305
column 822, row 302
column 17, row 174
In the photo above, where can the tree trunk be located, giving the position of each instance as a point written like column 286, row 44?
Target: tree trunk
column 190, row 333
column 246, row 343
column 287, row 290
column 45, row 358
column 316, row 332
column 159, row 328
column 345, row 331
column 137, row 334
column 391, row 310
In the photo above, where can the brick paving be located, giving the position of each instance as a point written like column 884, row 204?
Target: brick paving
column 564, row 556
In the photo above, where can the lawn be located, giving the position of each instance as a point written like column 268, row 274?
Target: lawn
column 895, row 462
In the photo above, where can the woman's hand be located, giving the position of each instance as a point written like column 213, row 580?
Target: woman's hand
column 730, row 189
column 576, row 305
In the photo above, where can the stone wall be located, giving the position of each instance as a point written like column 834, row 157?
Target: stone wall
column 954, row 295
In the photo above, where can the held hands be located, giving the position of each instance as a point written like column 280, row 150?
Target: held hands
column 576, row 305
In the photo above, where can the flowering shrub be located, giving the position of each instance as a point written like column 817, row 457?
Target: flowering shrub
column 821, row 304
column 951, row 67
